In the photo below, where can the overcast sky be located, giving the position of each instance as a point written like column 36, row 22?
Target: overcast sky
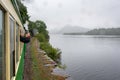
column 85, row 13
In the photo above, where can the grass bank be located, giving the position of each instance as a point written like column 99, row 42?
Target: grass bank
column 38, row 61
column 53, row 53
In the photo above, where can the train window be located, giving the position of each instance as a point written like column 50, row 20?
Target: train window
column 1, row 44
column 12, row 47
column 17, row 42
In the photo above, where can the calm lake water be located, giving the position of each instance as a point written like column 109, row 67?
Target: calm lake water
column 89, row 57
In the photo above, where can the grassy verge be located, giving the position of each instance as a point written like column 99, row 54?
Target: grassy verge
column 39, row 73
column 53, row 53
column 38, row 62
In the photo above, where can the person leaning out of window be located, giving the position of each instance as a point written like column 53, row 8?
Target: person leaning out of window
column 24, row 37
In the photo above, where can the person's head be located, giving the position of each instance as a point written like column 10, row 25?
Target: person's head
column 27, row 34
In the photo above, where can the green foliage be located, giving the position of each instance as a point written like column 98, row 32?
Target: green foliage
column 31, row 25
column 53, row 53
column 46, row 35
column 23, row 11
column 40, row 26
column 41, row 37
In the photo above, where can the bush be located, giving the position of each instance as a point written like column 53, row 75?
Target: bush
column 41, row 37
column 53, row 53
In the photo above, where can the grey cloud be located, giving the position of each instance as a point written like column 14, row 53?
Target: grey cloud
column 87, row 13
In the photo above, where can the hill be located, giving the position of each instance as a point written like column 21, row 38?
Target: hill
column 103, row 31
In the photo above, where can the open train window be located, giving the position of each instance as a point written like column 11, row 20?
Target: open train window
column 12, row 47
column 1, row 44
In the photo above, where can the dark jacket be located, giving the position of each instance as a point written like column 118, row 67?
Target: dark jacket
column 24, row 39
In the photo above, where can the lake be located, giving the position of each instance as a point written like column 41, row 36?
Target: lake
column 89, row 57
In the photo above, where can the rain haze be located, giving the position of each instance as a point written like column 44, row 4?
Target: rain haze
column 85, row 13
column 88, row 53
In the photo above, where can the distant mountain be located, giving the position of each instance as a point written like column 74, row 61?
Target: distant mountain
column 103, row 31
column 76, row 30
column 70, row 29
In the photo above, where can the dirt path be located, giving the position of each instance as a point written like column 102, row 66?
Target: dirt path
column 28, row 63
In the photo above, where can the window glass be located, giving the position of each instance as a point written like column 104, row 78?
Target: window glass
column 12, row 49
column 1, row 43
column 17, row 41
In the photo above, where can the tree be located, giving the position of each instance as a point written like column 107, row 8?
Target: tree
column 41, row 27
column 23, row 11
column 31, row 26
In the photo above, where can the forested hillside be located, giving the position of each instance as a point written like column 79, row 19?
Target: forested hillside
column 103, row 31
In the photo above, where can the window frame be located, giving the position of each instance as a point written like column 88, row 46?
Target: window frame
column 3, row 44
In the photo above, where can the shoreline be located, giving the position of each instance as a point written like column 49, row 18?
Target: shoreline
column 40, row 64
